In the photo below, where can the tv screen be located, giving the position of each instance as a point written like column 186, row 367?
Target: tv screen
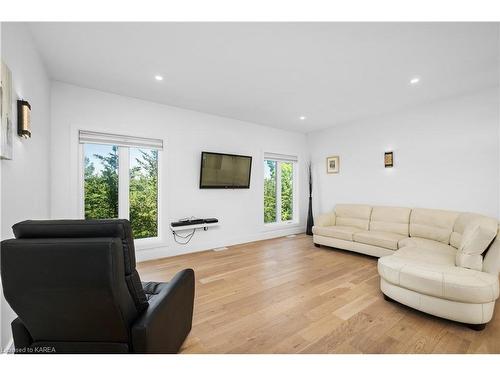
column 225, row 171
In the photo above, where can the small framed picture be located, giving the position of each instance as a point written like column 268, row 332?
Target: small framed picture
column 332, row 164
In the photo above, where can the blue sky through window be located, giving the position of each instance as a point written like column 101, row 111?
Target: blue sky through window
column 91, row 150
column 267, row 170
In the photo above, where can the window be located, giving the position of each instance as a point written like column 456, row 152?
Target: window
column 270, row 178
column 279, row 188
column 286, row 179
column 143, row 192
column 101, row 181
column 120, row 180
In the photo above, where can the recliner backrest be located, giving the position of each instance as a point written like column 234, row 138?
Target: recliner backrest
column 118, row 228
column 66, row 289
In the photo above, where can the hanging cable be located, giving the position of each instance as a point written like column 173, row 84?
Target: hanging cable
column 187, row 237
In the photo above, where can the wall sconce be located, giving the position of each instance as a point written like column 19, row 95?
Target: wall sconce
column 389, row 159
column 23, row 119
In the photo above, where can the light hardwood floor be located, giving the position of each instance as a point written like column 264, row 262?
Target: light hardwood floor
column 286, row 296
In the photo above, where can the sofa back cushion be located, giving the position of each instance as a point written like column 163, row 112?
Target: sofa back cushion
column 468, row 220
column 477, row 234
column 390, row 219
column 353, row 215
column 434, row 225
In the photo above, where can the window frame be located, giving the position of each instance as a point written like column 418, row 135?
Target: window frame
column 295, row 201
column 124, row 193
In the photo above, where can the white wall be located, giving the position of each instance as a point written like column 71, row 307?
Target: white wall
column 25, row 179
column 186, row 134
column 446, row 156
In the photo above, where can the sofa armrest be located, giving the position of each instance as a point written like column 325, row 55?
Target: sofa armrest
column 491, row 260
column 325, row 220
column 164, row 325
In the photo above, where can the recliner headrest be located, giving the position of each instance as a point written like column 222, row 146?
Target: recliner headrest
column 72, row 229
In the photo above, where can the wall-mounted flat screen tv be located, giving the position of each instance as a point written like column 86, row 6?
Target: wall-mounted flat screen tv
column 225, row 171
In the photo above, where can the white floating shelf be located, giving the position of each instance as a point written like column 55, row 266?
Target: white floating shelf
column 193, row 226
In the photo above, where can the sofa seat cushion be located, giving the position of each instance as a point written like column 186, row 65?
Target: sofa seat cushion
column 433, row 272
column 382, row 239
column 426, row 244
column 444, row 256
column 336, row 231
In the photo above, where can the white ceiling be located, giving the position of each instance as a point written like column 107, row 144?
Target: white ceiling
column 273, row 73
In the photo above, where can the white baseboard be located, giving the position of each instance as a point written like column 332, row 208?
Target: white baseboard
column 163, row 252
column 220, row 248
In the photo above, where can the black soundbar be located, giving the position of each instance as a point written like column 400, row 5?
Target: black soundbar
column 183, row 223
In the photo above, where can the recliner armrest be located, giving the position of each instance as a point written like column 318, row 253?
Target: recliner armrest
column 21, row 336
column 164, row 325
column 325, row 220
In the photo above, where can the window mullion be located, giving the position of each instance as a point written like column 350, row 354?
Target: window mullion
column 123, row 183
column 278, row 192
column 81, row 181
column 294, row 190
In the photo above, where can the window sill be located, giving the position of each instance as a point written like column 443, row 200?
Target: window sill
column 280, row 226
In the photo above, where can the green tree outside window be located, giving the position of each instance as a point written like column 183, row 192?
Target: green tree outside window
column 101, row 187
column 271, row 186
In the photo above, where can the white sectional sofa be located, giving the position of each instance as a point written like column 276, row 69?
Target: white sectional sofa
column 444, row 263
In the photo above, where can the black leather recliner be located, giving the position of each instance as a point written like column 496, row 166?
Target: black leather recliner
column 75, row 289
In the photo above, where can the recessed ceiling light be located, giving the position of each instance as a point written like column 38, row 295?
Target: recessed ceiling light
column 159, row 78
column 414, row 80
column 302, row 117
